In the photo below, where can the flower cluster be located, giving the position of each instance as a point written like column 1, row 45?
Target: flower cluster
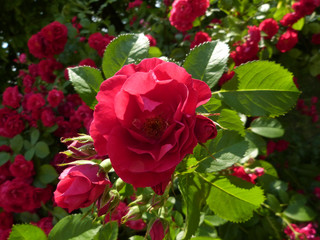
column 304, row 231
column 184, row 12
column 247, row 174
column 311, row 110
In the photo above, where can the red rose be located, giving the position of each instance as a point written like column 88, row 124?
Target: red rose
column 27, row 82
column 55, row 32
column 88, row 62
column 290, row 18
column 270, row 27
column 17, row 196
column 6, row 220
column 11, row 97
column 21, row 168
column 13, row 124
column 152, row 40
column 45, row 224
column 145, row 119
column 204, row 129
column 287, row 40
column 48, row 118
column 35, row 101
column 199, row 38
column 55, row 97
column 181, row 16
column 157, row 232
column 37, row 46
column 199, row 7
column 4, row 234
column 46, row 69
column 315, row 38
column 254, row 34
column 99, row 42
column 79, row 186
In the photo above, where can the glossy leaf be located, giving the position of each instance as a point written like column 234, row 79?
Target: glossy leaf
column 234, row 203
column 267, row 127
column 193, row 192
column 260, row 88
column 125, row 49
column 224, row 151
column 27, row 232
column 108, row 232
column 231, row 120
column 74, row 227
column 207, row 62
column 86, row 81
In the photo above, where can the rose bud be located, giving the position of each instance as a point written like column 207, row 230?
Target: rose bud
column 204, row 129
column 80, row 186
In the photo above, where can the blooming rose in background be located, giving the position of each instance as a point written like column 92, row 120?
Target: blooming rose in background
column 79, row 186
column 145, row 120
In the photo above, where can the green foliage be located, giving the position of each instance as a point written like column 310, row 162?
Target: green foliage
column 125, row 49
column 41, row 149
column 46, row 174
column 207, row 62
column 194, row 193
column 27, row 232
column 108, row 231
column 231, row 120
column 86, row 81
column 222, row 152
column 267, row 127
column 232, row 202
column 260, row 89
column 74, row 227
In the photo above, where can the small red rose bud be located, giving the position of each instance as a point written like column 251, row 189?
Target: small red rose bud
column 204, row 129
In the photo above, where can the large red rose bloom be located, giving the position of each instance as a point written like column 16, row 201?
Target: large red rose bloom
column 145, row 119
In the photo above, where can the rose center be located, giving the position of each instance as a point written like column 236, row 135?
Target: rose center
column 154, row 127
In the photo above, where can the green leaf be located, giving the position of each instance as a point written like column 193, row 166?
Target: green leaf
column 125, row 49
column 299, row 24
column 108, row 232
column 207, row 62
column 16, row 143
column 260, row 88
column 74, row 227
column 224, row 151
column 256, row 141
column 267, row 127
column 41, row 149
column 27, row 232
column 47, row 174
column 86, row 81
column 4, row 157
column 273, row 202
column 137, row 237
column 35, row 134
column 234, row 203
column 154, row 52
column 29, row 154
column 231, row 120
column 297, row 209
column 194, row 193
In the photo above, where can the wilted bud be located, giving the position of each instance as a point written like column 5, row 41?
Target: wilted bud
column 134, row 213
column 108, row 201
column 80, row 147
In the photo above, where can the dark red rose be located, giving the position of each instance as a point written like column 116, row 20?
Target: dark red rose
column 13, row 125
column 270, row 27
column 55, row 32
column 152, row 40
column 145, row 119
column 27, row 82
column 4, row 234
column 254, row 34
column 11, row 97
column 315, row 38
column 45, row 224
column 282, row 145
column 204, row 129
column 46, row 69
column 17, row 196
column 88, row 62
column 33, row 70
column 48, row 117
column 287, row 40
column 6, row 220
column 99, row 42
column 199, row 38
column 181, row 16
column 21, row 168
column 289, row 19
column 80, row 186
column 37, row 46
column 157, row 231
column 35, row 101
column 55, row 97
